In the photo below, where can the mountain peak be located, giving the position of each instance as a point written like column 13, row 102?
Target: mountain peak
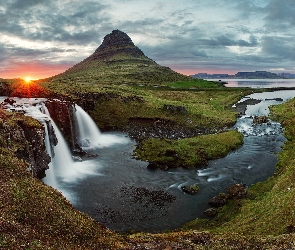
column 118, row 60
column 116, row 43
column 116, row 38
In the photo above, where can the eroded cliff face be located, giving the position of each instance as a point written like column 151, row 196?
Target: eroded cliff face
column 62, row 113
column 23, row 137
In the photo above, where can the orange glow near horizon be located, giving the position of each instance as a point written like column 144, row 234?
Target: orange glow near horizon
column 23, row 88
column 28, row 79
column 33, row 70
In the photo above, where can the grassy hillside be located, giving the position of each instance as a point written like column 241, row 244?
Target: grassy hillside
column 118, row 61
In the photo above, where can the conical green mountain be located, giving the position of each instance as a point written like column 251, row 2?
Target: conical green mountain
column 118, row 60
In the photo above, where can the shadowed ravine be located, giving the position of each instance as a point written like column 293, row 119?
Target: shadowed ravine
column 121, row 193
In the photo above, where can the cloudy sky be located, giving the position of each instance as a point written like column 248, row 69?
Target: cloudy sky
column 41, row 38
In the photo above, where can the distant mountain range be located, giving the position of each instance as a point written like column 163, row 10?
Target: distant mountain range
column 118, row 60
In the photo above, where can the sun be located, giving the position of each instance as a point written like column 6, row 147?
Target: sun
column 27, row 79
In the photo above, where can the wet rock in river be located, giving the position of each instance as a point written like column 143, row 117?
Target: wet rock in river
column 190, row 189
column 260, row 119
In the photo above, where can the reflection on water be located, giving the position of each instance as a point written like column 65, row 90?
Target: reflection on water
column 257, row 83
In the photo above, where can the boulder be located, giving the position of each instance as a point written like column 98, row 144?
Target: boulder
column 260, row 119
column 219, row 200
column 237, row 191
column 175, row 109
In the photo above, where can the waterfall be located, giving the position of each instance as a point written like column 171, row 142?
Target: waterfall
column 89, row 135
column 62, row 168
column 62, row 159
column 56, row 146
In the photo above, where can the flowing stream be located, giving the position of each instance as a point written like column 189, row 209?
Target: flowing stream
column 121, row 193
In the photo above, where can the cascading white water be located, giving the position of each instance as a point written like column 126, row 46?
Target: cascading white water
column 50, row 178
column 89, row 135
column 87, row 129
column 62, row 168
column 62, row 160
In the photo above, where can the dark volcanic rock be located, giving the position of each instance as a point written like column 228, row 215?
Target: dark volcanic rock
column 114, row 43
column 175, row 109
column 219, row 200
column 260, row 119
column 241, row 106
column 62, row 112
column 32, row 147
column 143, row 128
column 237, row 191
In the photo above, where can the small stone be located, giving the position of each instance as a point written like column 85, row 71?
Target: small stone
column 211, row 212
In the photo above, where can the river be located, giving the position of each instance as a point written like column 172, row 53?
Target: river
column 108, row 197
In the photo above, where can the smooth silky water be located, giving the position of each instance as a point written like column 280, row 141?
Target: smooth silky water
column 105, row 186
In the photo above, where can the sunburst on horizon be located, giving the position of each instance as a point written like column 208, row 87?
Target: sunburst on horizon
column 28, row 79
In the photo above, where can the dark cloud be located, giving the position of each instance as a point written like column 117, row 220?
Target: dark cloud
column 48, row 21
column 279, row 48
column 280, row 15
column 27, row 4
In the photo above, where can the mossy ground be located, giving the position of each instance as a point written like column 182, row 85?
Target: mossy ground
column 189, row 152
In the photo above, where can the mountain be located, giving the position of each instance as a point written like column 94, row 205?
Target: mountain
column 118, row 60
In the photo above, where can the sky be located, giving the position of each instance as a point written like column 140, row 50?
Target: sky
column 42, row 38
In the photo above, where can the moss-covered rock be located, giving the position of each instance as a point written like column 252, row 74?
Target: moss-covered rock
column 190, row 189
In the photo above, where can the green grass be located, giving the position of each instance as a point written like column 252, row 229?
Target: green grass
column 189, row 152
column 195, row 84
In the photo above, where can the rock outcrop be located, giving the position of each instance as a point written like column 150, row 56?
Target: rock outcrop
column 23, row 137
column 116, row 43
column 61, row 111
